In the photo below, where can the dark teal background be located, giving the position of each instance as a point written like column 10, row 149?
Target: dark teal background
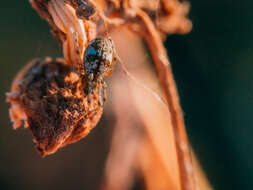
column 213, row 67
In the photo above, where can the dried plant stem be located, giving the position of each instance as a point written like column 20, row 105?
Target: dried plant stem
column 156, row 126
column 121, row 161
column 168, row 84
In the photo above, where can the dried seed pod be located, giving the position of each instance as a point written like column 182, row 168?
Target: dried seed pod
column 50, row 97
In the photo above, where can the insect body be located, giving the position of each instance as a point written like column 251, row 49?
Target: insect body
column 99, row 57
column 84, row 9
column 99, row 60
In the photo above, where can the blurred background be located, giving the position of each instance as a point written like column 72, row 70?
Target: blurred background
column 214, row 73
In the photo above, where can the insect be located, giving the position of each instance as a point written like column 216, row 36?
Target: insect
column 84, row 9
column 99, row 60
column 59, row 105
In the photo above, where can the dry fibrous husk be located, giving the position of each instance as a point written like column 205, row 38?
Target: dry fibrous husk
column 49, row 96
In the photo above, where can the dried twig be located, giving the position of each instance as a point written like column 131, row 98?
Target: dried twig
column 159, row 146
column 121, row 162
column 165, row 74
column 163, row 68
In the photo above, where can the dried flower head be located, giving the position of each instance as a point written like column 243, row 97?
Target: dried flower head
column 50, row 97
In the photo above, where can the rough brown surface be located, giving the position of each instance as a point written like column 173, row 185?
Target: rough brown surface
column 50, row 97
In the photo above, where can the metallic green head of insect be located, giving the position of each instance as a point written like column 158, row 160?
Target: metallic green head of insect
column 99, row 57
